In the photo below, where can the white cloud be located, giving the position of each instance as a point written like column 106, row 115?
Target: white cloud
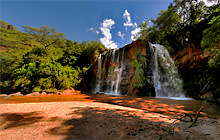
column 94, row 31
column 135, row 25
column 134, row 33
column 121, row 35
column 105, row 28
column 128, row 23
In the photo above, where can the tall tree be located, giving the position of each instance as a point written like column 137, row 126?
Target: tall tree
column 45, row 35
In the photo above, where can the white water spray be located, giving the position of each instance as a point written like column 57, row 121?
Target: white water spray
column 165, row 77
column 113, row 71
column 99, row 74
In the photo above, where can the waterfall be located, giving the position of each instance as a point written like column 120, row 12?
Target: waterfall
column 120, row 69
column 99, row 74
column 113, row 76
column 165, row 77
column 112, row 71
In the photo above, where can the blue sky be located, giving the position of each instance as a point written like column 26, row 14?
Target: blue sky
column 82, row 20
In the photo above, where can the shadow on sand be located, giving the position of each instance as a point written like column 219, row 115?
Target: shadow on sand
column 10, row 120
column 107, row 124
column 160, row 105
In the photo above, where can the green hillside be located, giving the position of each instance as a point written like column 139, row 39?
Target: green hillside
column 6, row 25
column 42, row 59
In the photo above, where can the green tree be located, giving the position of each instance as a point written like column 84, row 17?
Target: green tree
column 211, row 36
column 45, row 35
column 181, row 25
column 194, row 17
column 211, row 41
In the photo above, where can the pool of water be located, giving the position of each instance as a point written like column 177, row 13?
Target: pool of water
column 177, row 98
column 174, row 98
column 108, row 93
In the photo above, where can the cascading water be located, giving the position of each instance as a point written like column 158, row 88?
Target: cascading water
column 119, row 72
column 111, row 83
column 99, row 74
column 114, row 77
column 165, row 77
column 112, row 72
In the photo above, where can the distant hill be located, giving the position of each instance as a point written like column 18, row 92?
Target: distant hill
column 6, row 25
column 12, row 38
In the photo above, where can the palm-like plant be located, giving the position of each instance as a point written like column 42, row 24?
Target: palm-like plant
column 139, row 64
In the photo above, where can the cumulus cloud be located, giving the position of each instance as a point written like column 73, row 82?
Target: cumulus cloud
column 134, row 33
column 128, row 23
column 105, row 28
column 121, row 35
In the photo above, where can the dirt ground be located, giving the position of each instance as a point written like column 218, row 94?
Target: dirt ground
column 103, row 117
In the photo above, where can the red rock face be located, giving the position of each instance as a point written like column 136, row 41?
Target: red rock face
column 138, row 46
column 135, row 47
column 192, row 64
column 191, row 59
column 126, row 55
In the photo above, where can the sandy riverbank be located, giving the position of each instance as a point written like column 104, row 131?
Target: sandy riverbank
column 88, row 119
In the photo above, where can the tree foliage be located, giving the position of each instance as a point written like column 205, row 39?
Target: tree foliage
column 50, row 62
column 189, row 23
column 45, row 35
column 181, row 25
column 139, row 63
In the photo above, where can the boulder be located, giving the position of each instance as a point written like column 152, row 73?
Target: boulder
column 217, row 95
column 33, row 94
column 16, row 94
column 43, row 93
column 3, row 95
column 208, row 96
column 70, row 92
column 6, row 25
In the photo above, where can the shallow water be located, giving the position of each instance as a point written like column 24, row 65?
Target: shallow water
column 177, row 98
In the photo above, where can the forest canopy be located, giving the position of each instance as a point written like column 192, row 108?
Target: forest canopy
column 43, row 59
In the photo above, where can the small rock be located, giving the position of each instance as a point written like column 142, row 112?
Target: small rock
column 99, row 92
column 59, row 93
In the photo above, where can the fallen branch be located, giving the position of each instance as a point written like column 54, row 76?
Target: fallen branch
column 171, row 130
column 197, row 115
column 185, row 114
column 205, row 87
